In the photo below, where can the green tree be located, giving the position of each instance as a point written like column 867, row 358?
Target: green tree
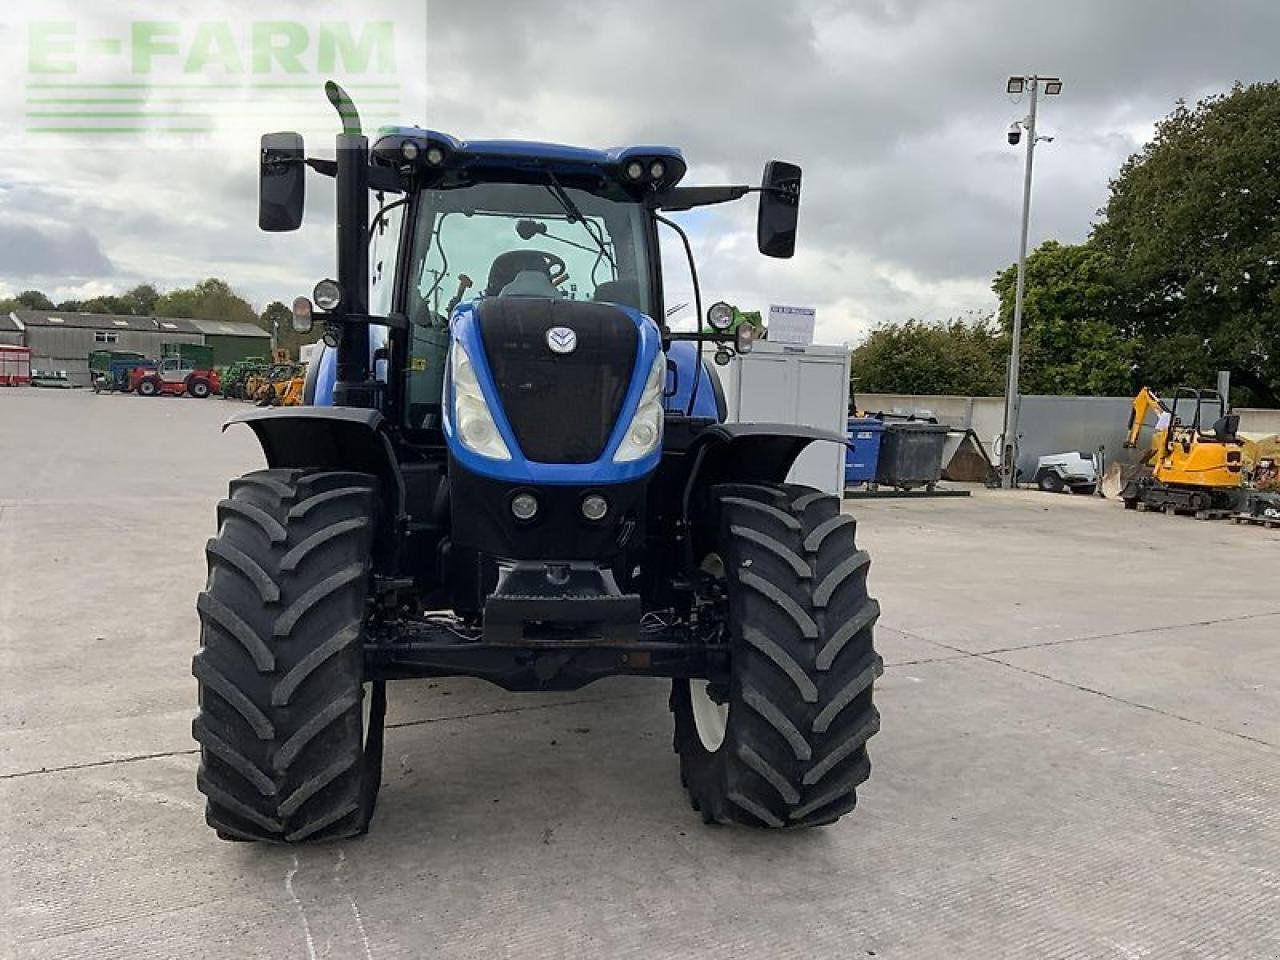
column 210, row 299
column 965, row 358
column 141, row 300
column 1074, row 336
column 280, row 317
column 1192, row 228
column 34, row 300
column 107, row 304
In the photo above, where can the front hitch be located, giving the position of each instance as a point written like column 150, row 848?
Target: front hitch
column 560, row 604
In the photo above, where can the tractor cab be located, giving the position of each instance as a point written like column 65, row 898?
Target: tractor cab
column 489, row 244
column 174, row 369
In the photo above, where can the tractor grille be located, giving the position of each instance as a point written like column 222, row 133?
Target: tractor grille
column 562, row 407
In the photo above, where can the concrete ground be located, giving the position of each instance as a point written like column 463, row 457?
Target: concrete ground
column 1079, row 755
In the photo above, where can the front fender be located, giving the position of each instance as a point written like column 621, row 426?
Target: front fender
column 751, row 452
column 737, row 453
column 331, row 438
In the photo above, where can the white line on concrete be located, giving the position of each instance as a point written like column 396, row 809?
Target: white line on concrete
column 338, row 871
column 302, row 914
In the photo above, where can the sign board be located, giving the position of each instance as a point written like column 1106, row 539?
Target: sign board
column 791, row 324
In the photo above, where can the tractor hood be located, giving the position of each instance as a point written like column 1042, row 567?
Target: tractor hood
column 562, row 381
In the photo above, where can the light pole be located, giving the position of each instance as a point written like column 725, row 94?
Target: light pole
column 1012, row 399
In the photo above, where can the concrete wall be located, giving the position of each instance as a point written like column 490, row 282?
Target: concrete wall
column 1253, row 420
column 983, row 415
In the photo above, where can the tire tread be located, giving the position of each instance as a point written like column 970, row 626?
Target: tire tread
column 281, row 660
column 803, row 663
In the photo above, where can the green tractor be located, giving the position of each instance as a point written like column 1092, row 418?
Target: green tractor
column 237, row 376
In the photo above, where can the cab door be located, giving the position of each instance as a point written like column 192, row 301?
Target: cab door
column 175, row 369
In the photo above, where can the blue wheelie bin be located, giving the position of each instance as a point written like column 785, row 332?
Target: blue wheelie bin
column 863, row 453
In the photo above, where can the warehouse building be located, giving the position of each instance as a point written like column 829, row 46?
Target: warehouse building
column 10, row 332
column 61, row 340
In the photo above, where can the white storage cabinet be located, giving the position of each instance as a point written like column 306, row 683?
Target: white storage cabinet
column 805, row 385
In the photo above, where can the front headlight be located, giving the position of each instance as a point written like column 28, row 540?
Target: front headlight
column 644, row 432
column 472, row 420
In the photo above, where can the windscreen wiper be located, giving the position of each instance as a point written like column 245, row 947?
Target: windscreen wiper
column 571, row 209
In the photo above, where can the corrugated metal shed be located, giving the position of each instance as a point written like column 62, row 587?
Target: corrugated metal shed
column 63, row 320
column 60, row 340
column 232, row 341
column 10, row 331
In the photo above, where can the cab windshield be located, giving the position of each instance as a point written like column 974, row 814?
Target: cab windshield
column 476, row 241
column 508, row 239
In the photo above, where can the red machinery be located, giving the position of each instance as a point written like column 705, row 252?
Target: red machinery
column 15, row 366
column 174, row 376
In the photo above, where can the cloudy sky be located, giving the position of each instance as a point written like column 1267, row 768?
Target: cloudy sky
column 895, row 108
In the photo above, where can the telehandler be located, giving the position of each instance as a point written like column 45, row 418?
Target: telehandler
column 510, row 468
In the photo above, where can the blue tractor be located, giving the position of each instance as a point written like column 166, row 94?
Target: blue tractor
column 509, row 467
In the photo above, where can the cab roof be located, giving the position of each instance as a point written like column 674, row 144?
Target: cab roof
column 518, row 154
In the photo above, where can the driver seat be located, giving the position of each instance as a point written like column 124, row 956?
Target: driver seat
column 530, row 283
column 506, row 267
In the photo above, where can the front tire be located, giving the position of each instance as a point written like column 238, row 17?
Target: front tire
column 797, row 708
column 280, row 668
column 1050, row 482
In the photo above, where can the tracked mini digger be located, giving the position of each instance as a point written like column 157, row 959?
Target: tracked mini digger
column 508, row 467
column 1191, row 469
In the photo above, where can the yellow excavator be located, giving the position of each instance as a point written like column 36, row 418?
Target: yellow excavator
column 1192, row 470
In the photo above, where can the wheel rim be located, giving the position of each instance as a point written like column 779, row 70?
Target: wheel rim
column 710, row 719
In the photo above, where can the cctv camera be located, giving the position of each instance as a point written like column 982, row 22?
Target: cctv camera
column 1015, row 133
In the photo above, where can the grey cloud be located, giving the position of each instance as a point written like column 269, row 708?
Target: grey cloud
column 859, row 94
column 895, row 108
column 30, row 251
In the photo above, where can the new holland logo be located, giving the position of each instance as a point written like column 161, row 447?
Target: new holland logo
column 562, row 340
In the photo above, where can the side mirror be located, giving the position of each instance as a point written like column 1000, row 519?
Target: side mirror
column 779, row 209
column 282, row 175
